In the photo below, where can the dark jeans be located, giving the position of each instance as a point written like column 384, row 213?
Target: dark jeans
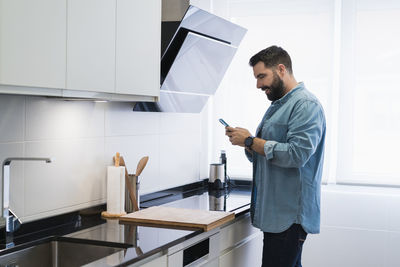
column 284, row 249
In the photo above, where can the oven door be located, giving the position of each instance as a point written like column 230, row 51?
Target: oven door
column 201, row 250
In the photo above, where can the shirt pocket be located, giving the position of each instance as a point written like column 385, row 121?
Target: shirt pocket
column 275, row 131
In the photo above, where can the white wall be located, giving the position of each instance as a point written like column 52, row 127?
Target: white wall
column 360, row 227
column 82, row 137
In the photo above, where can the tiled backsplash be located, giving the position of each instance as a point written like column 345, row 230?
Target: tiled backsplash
column 82, row 137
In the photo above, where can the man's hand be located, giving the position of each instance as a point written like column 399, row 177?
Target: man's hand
column 237, row 135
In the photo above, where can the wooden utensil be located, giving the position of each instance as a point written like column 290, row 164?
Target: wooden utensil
column 117, row 160
column 132, row 194
column 142, row 163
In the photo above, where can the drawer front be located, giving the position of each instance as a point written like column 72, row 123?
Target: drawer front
column 236, row 232
column 248, row 253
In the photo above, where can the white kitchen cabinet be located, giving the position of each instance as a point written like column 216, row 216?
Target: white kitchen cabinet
column 138, row 47
column 240, row 244
column 103, row 49
column 33, row 43
column 248, row 253
column 237, row 244
column 91, row 45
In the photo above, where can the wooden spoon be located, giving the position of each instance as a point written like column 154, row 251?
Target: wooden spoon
column 142, row 163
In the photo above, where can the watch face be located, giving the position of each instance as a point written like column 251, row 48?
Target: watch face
column 248, row 141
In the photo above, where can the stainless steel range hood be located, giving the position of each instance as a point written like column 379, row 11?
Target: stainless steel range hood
column 195, row 61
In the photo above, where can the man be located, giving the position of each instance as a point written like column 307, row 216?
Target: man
column 287, row 156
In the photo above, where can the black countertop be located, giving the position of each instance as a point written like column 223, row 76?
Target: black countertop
column 141, row 242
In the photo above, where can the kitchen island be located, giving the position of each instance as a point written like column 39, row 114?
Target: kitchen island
column 235, row 243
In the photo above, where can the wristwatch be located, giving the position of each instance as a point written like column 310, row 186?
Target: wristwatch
column 248, row 142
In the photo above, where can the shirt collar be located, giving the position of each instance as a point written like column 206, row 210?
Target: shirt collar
column 286, row 97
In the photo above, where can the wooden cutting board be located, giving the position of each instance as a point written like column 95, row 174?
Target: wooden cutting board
column 180, row 218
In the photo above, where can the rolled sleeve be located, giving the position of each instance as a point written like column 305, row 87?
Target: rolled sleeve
column 269, row 149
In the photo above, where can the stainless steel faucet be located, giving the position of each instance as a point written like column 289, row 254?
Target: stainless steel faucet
column 8, row 218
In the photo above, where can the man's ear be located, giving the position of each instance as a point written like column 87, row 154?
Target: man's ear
column 281, row 69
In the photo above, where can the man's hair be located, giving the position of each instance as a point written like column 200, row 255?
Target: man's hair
column 272, row 56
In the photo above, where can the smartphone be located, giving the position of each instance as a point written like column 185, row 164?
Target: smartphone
column 223, row 122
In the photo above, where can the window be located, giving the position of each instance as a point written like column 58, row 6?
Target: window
column 347, row 54
column 369, row 137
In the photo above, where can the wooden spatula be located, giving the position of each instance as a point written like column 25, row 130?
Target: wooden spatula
column 142, row 163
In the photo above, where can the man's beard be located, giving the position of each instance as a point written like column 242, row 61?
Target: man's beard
column 277, row 88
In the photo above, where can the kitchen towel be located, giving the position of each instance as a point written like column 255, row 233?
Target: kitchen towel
column 116, row 190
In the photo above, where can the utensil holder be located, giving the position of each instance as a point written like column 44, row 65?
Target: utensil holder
column 129, row 207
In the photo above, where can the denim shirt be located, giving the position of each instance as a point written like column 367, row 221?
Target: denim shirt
column 287, row 180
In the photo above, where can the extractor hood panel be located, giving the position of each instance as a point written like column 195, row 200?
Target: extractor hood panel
column 198, row 20
column 200, row 65
column 181, row 102
column 195, row 62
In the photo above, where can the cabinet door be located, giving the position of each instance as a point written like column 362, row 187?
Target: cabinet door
column 91, row 45
column 245, row 254
column 33, row 43
column 138, row 47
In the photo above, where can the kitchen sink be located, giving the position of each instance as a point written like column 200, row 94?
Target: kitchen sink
column 58, row 253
